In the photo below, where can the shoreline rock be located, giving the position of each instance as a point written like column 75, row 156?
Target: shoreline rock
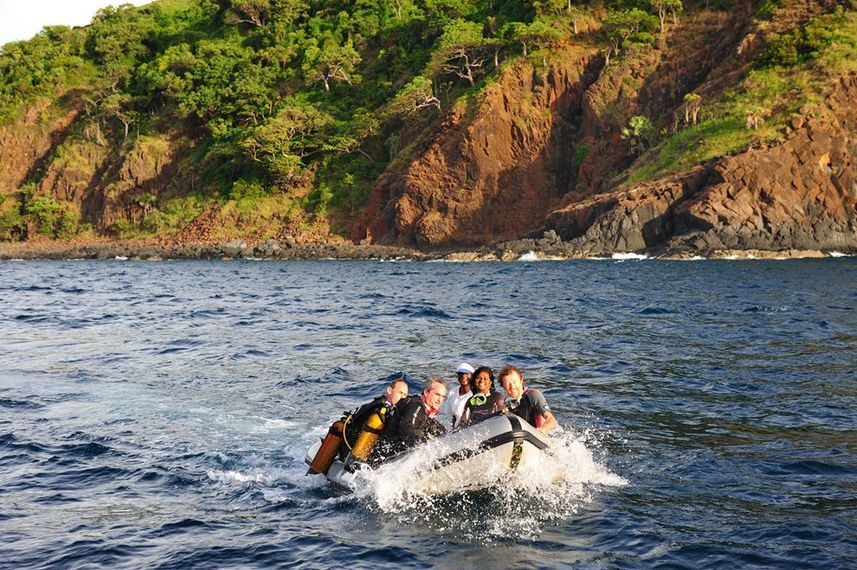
column 231, row 250
column 547, row 248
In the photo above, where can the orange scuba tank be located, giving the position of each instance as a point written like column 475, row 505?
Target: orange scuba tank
column 329, row 448
column 369, row 436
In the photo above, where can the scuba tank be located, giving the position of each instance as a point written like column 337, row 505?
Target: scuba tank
column 369, row 436
column 329, row 448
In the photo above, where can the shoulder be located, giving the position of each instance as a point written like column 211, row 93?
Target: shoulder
column 536, row 397
column 411, row 404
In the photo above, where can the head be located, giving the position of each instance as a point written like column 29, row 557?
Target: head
column 396, row 390
column 483, row 380
column 512, row 381
column 464, row 373
column 434, row 392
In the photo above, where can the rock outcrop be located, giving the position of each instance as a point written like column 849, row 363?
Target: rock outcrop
column 489, row 173
column 801, row 194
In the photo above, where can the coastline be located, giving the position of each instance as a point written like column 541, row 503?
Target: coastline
column 521, row 250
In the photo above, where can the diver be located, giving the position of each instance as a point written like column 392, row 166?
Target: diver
column 415, row 418
column 358, row 422
column 486, row 400
column 529, row 404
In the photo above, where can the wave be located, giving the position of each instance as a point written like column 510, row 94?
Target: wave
column 519, row 506
column 625, row 256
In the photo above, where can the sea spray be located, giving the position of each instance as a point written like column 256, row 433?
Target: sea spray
column 518, row 506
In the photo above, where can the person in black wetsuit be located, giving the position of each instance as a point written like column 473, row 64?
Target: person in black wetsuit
column 528, row 403
column 415, row 421
column 485, row 400
column 397, row 390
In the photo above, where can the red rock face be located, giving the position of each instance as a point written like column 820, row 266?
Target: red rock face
column 801, row 194
column 26, row 146
column 488, row 174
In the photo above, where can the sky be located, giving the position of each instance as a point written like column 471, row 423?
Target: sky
column 23, row 19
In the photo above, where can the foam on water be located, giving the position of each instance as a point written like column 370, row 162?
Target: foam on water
column 519, row 505
column 628, row 256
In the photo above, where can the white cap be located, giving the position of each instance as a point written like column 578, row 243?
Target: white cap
column 464, row 368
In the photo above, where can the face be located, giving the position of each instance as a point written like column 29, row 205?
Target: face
column 396, row 392
column 483, row 382
column 464, row 378
column 434, row 398
column 513, row 384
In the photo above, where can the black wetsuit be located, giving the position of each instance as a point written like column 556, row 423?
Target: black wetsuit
column 474, row 412
column 531, row 405
column 412, row 425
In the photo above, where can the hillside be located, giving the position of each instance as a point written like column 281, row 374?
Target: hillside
column 722, row 125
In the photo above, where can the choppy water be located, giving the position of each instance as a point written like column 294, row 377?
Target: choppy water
column 156, row 414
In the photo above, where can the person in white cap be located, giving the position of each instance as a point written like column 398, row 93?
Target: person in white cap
column 457, row 399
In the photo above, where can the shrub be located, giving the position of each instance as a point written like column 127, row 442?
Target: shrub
column 50, row 217
column 12, row 225
column 805, row 44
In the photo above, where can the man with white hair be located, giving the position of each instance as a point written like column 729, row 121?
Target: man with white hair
column 415, row 421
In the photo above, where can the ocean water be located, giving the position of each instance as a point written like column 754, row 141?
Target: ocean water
column 156, row 414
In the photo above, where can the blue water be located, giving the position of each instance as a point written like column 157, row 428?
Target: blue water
column 157, row 414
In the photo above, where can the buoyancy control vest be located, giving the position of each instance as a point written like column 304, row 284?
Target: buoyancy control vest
column 363, row 426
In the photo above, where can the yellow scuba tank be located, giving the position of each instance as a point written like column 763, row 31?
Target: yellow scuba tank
column 328, row 450
column 369, row 436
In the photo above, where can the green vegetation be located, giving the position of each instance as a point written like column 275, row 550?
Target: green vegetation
column 784, row 79
column 294, row 108
column 808, row 42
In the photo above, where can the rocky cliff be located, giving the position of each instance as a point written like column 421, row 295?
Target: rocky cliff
column 801, row 194
column 494, row 167
column 538, row 156
column 68, row 158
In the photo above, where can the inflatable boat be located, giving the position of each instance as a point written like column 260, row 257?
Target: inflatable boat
column 475, row 457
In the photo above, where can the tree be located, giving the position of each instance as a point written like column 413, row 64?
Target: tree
column 622, row 26
column 461, row 50
column 692, row 106
column 347, row 137
column 51, row 218
column 283, row 143
column 115, row 40
column 542, row 34
column 330, row 61
column 417, row 94
column 665, row 8
column 551, row 7
column 118, row 106
column 639, row 133
column 254, row 12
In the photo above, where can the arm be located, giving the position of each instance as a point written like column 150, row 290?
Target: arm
column 550, row 422
column 465, row 417
column 408, row 421
column 497, row 401
column 543, row 412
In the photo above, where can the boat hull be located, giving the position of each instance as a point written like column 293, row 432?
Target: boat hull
column 472, row 458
